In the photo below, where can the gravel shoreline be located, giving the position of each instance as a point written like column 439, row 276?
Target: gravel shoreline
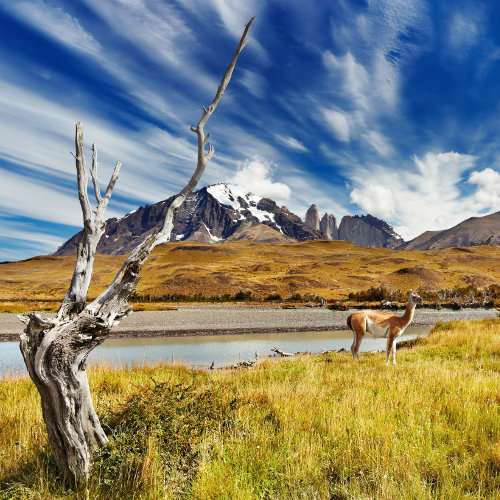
column 224, row 320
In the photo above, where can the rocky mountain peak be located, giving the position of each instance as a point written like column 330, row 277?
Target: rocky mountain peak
column 366, row 230
column 312, row 217
column 328, row 227
column 214, row 213
column 223, row 212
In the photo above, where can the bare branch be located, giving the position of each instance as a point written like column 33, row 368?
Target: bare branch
column 282, row 353
column 107, row 196
column 93, row 174
column 113, row 179
column 164, row 234
column 227, row 76
column 210, row 153
column 115, row 297
column 82, row 177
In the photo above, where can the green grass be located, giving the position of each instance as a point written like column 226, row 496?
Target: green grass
column 306, row 427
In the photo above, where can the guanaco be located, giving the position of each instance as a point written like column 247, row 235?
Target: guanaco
column 381, row 325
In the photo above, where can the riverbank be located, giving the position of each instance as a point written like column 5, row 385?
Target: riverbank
column 196, row 320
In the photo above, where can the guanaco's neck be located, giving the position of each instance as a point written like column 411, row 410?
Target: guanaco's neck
column 408, row 314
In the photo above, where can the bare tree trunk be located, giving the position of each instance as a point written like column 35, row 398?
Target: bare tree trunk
column 55, row 350
column 55, row 355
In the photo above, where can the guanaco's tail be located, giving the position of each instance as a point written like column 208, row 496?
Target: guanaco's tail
column 349, row 322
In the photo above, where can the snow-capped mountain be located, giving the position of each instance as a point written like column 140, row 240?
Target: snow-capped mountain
column 220, row 212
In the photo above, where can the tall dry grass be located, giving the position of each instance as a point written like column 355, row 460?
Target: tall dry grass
column 307, row 427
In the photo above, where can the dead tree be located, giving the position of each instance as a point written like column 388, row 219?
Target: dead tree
column 55, row 350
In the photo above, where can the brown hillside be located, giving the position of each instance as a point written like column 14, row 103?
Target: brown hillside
column 330, row 269
column 471, row 232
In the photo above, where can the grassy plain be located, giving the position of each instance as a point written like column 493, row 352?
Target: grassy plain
column 305, row 427
column 189, row 271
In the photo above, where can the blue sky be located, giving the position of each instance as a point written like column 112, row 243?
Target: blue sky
column 382, row 107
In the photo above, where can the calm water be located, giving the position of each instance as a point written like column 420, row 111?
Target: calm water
column 201, row 351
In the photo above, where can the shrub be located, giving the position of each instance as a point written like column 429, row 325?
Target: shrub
column 242, row 295
column 273, row 297
column 156, row 433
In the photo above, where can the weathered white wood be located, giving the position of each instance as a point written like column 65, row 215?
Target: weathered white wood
column 55, row 350
column 55, row 354
column 93, row 228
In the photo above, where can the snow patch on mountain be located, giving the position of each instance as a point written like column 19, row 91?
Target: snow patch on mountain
column 214, row 238
column 240, row 200
column 230, row 194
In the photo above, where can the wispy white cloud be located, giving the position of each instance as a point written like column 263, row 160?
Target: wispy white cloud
column 352, row 77
column 30, row 238
column 465, row 29
column 38, row 200
column 487, row 195
column 426, row 195
column 378, row 142
column 376, row 199
column 38, row 134
column 234, row 14
column 54, row 22
column 291, row 143
column 255, row 175
column 253, row 82
column 156, row 28
column 366, row 79
column 364, row 100
column 338, row 123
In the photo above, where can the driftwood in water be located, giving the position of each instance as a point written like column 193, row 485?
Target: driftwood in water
column 287, row 354
column 55, row 350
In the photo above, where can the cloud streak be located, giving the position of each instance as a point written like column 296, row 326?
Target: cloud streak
column 55, row 23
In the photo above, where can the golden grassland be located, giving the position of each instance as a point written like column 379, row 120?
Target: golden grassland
column 305, row 427
column 192, row 271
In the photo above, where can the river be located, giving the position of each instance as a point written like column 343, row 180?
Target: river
column 201, row 351
column 194, row 334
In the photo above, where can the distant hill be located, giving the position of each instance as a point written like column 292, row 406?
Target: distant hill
column 330, row 269
column 471, row 232
column 224, row 212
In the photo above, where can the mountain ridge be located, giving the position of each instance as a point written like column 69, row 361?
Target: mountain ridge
column 224, row 212
column 473, row 231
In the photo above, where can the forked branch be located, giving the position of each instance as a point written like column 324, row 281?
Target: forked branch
column 164, row 235
column 93, row 228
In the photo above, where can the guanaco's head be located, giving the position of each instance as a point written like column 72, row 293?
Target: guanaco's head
column 415, row 298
